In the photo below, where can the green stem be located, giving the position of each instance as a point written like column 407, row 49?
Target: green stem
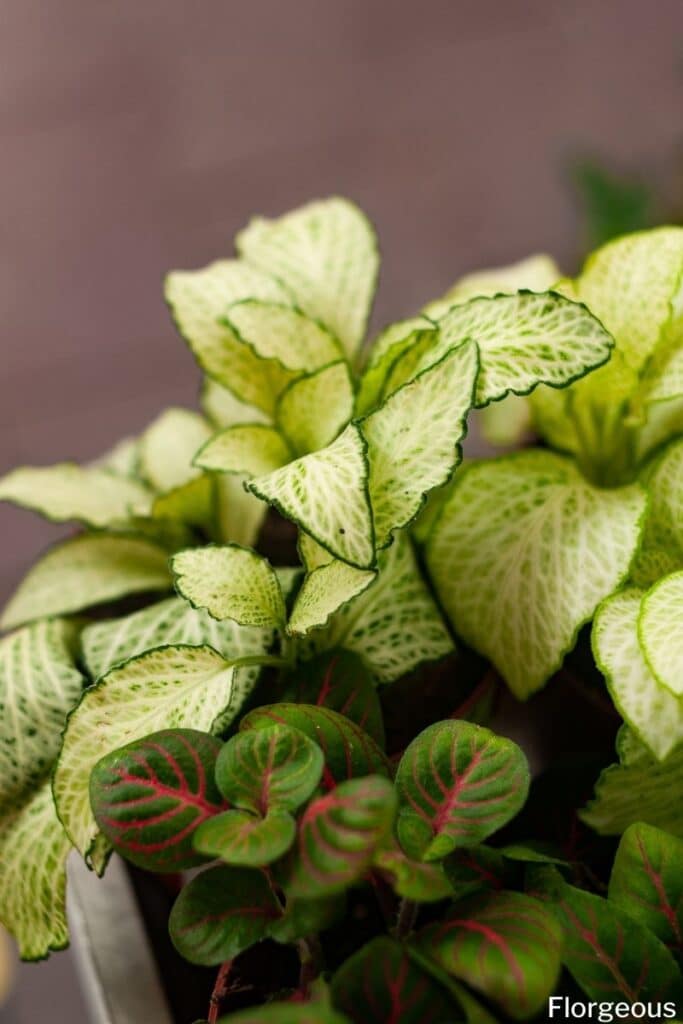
column 407, row 915
column 310, row 955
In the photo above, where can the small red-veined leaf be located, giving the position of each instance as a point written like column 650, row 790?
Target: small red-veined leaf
column 339, row 680
column 610, row 954
column 647, row 882
column 479, row 867
column 271, row 769
column 348, row 750
column 412, row 879
column 150, row 796
column 245, row 839
column 504, row 944
column 381, row 983
column 308, row 917
column 338, row 835
column 222, row 912
column 457, row 783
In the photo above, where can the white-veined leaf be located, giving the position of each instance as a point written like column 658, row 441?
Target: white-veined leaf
column 239, row 514
column 660, row 632
column 313, row 409
column 224, row 409
column 84, row 571
column 123, row 459
column 279, row 332
column 389, row 345
column 247, row 449
column 323, row 592
column 522, row 554
column 325, row 493
column 231, row 583
column 537, row 273
column 326, row 255
column 168, row 447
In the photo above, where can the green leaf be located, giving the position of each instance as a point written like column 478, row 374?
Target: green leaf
column 279, row 332
column 660, row 634
column 414, row 439
column 269, row 769
column 326, row 255
column 505, row 945
column 381, row 982
column 246, row 840
column 39, row 684
column 168, row 688
column 506, row 424
column 538, row 273
column 168, row 447
column 239, row 515
column 385, row 350
column 87, row 570
column 224, row 409
column 220, row 913
column 639, row 788
column 172, row 621
column 339, row 680
column 303, row 918
column 394, row 625
column 231, row 583
column 314, row 409
column 287, row 1013
column 323, row 592
column 457, row 783
column 664, row 483
column 522, row 554
column 325, row 493
column 33, row 852
column 193, row 503
column 412, row 879
column 95, row 497
column 649, row 708
column 630, row 285
column 199, row 299
column 151, row 796
column 338, row 836
column 610, row 955
column 247, row 449
column 348, row 750
column 647, row 882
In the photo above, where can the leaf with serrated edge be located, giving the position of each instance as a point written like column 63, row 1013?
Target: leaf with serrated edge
column 651, row 710
column 659, row 632
column 326, row 254
column 325, row 493
column 220, row 913
column 414, row 439
column 151, row 796
column 168, row 447
column 83, row 571
column 324, row 591
column 505, row 945
column 198, row 299
column 170, row 687
column 647, row 882
column 538, row 273
column 385, row 350
column 39, row 684
column 610, row 955
column 457, row 783
column 523, row 552
column 339, row 680
column 224, row 409
column 248, row 449
column 95, row 497
column 271, row 769
column 231, row 583
column 381, row 983
column 348, row 750
column 33, row 852
column 313, row 409
column 639, row 788
column 246, row 840
column 412, row 879
column 279, row 332
column 338, row 835
column 394, row 625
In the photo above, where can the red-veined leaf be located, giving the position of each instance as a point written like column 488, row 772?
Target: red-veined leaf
column 244, row 839
column 479, row 867
column 457, row 783
column 222, row 912
column 338, row 835
column 412, row 879
column 504, row 944
column 339, row 680
column 348, row 751
column 647, row 882
column 275, row 768
column 308, row 917
column 150, row 796
column 382, row 983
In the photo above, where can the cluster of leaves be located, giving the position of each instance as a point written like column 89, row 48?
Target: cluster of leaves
column 107, row 737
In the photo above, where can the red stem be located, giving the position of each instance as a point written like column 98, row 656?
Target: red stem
column 219, row 991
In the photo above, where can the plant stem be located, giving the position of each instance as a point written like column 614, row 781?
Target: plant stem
column 407, row 915
column 384, row 897
column 310, row 954
column 219, row 991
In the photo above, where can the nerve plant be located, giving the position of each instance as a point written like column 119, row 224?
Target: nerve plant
column 112, row 727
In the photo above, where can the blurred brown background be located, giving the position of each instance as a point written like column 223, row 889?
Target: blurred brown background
column 139, row 135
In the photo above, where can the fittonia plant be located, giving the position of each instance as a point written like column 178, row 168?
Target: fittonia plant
column 239, row 719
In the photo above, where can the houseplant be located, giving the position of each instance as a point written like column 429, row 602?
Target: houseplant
column 305, row 720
